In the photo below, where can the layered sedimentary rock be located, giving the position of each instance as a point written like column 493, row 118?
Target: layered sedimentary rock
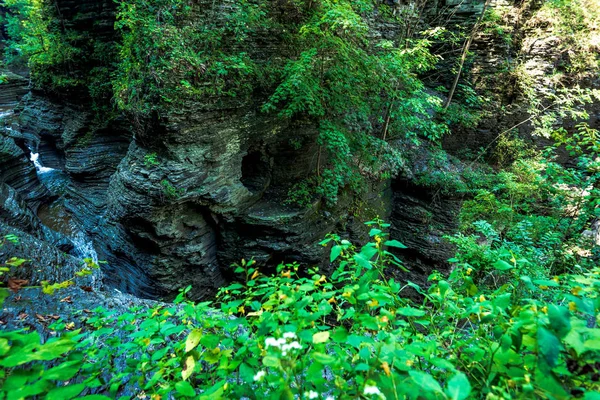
column 176, row 205
column 12, row 88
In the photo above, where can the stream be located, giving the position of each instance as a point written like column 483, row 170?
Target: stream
column 55, row 214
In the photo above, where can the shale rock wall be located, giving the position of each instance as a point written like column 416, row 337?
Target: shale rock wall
column 177, row 205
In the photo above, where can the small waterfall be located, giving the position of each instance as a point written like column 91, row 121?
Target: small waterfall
column 55, row 215
column 38, row 166
column 84, row 247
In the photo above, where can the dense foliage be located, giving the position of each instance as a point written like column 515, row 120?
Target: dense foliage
column 357, row 91
column 61, row 60
column 516, row 316
column 495, row 329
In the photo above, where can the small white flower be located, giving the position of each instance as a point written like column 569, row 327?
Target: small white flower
column 259, row 375
column 289, row 335
column 313, row 395
column 329, row 398
column 296, row 345
column 272, row 342
column 289, row 346
column 372, row 390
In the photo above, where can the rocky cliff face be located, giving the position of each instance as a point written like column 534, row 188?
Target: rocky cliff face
column 177, row 205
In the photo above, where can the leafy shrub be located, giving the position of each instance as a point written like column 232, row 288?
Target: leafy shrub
column 169, row 191
column 354, row 334
column 151, row 160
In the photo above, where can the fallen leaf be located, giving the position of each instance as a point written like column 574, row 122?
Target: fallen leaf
column 23, row 315
column 41, row 318
column 87, row 288
column 66, row 300
column 16, row 284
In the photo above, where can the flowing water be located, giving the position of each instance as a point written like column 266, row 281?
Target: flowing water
column 55, row 215
column 35, row 159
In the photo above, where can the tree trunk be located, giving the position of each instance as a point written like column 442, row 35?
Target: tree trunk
column 463, row 56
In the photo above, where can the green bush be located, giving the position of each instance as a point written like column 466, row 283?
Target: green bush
column 490, row 329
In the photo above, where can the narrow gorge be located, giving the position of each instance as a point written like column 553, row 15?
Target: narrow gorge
column 166, row 141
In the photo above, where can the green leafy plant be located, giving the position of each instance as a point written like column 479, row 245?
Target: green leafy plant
column 170, row 191
column 151, row 160
column 356, row 333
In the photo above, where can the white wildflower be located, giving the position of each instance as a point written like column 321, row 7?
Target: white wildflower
column 313, row 395
column 329, row 398
column 272, row 342
column 372, row 390
column 289, row 346
column 289, row 335
column 259, row 375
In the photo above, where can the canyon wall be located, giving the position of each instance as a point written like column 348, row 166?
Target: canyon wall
column 207, row 185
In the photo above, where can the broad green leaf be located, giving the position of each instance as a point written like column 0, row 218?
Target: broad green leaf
column 324, row 359
column 368, row 251
column 559, row 319
column 410, row 312
column 546, row 282
column 4, row 346
column 549, row 346
column 185, row 389
column 340, row 334
column 503, row 265
column 210, row 341
column 374, row 232
column 246, row 372
column 395, row 243
column 502, row 301
column 271, row 361
column 192, row 340
column 459, row 387
column 335, row 253
column 425, row 381
column 62, row 372
column 361, row 261
column 65, row 392
column 592, row 344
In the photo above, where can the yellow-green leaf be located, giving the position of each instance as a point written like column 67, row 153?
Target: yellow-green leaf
column 321, row 337
column 188, row 367
column 192, row 340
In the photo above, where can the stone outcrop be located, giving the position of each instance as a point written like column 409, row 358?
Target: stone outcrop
column 177, row 204
column 12, row 88
column 18, row 171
